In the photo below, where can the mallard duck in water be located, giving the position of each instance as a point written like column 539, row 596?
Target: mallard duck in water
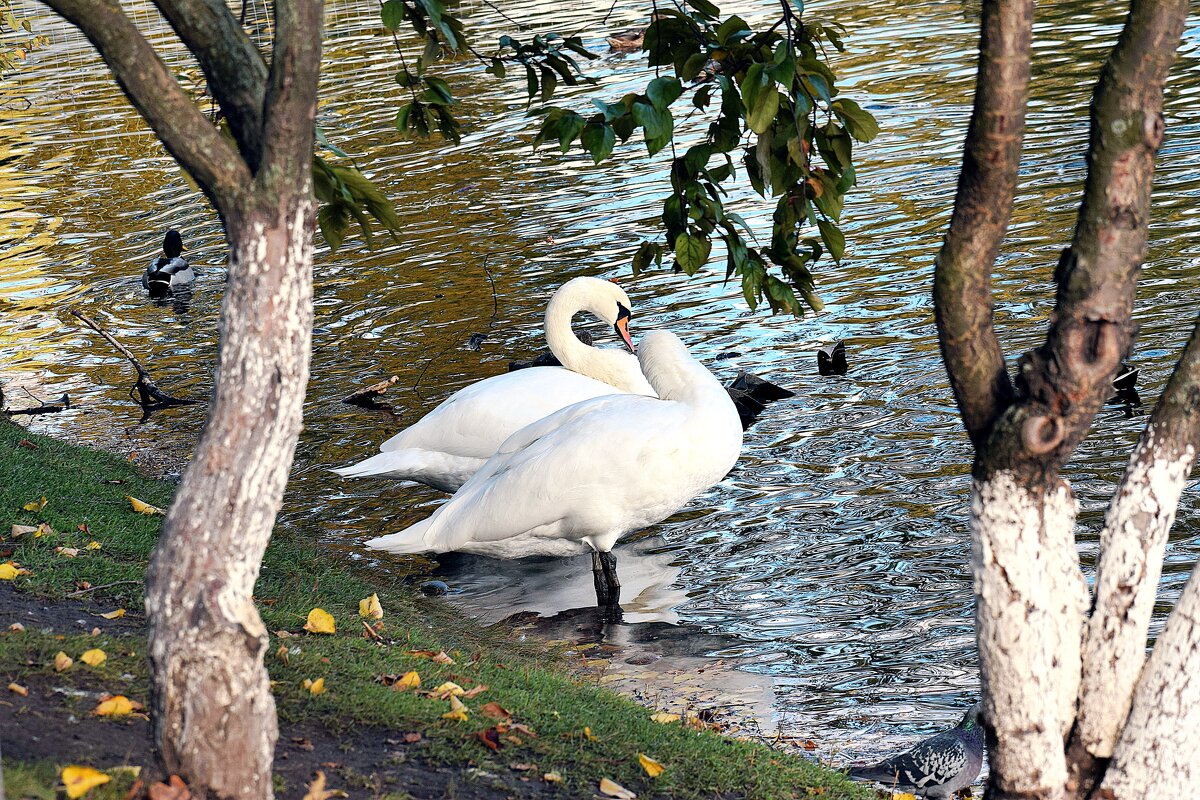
column 168, row 271
column 627, row 41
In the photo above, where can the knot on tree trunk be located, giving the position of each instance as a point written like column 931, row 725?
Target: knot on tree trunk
column 1041, row 433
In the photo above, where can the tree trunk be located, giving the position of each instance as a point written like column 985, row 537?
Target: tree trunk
column 213, row 712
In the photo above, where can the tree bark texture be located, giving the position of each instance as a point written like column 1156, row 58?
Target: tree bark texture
column 1132, row 545
column 962, row 288
column 214, row 715
column 1027, row 583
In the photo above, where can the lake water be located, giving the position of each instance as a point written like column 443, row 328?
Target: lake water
column 830, row 568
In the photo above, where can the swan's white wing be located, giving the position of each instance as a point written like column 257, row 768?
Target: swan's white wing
column 476, row 420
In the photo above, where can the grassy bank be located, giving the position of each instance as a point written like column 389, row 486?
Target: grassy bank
column 574, row 732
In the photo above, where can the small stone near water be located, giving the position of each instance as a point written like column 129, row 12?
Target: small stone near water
column 434, row 588
column 831, row 359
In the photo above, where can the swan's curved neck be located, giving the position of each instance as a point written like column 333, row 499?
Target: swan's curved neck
column 564, row 344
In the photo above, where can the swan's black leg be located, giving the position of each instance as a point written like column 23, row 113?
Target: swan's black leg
column 600, row 579
column 608, row 562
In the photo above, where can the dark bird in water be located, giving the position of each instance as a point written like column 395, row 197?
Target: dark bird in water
column 831, row 359
column 937, row 767
column 170, row 270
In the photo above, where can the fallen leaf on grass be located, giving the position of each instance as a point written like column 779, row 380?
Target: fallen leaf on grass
column 118, row 706
column 43, row 529
column 314, row 687
column 21, row 530
column 10, row 570
column 409, row 680
column 282, row 654
column 370, row 607
column 120, row 612
column 28, row 445
column 903, row 796
column 664, row 717
column 613, row 789
column 475, row 691
column 93, row 546
column 303, row 744
column 317, row 790
column 35, row 505
column 438, row 657
column 320, row 621
column 587, row 734
column 522, row 767
column 17, row 688
column 83, row 528
column 552, row 777
column 67, row 552
column 143, row 508
column 94, row 657
column 175, row 790
column 457, row 710
column 78, row 781
column 411, row 738
column 496, row 711
column 446, row 690
column 652, row 767
column 490, row 738
column 62, row 661
column 16, row 627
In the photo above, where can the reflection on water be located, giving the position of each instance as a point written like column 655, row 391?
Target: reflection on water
column 832, row 561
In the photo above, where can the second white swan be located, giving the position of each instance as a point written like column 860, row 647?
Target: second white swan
column 446, row 446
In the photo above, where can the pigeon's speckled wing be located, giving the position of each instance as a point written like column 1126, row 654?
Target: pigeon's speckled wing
column 931, row 763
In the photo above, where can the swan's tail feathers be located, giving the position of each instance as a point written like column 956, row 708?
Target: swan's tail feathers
column 439, row 470
column 410, row 540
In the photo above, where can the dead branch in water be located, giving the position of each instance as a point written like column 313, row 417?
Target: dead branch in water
column 369, row 397
column 149, row 397
column 42, row 406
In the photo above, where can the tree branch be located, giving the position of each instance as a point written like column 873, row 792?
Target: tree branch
column 291, row 99
column 1132, row 544
column 962, row 276
column 146, row 81
column 1064, row 383
column 235, row 70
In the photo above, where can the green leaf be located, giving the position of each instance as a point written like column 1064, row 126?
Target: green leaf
column 663, row 91
column 860, row 124
column 598, row 139
column 531, row 82
column 656, row 125
column 334, row 221
column 646, row 252
column 733, row 28
column 569, row 128
column 834, row 239
column 691, row 252
column 765, row 108
column 393, row 15
column 705, row 8
column 497, row 68
column 549, row 82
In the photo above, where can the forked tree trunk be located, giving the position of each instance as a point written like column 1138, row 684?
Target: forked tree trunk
column 214, row 714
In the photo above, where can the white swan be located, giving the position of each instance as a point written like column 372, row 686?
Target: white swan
column 592, row 472
column 447, row 445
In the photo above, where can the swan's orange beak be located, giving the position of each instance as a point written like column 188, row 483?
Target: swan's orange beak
column 622, row 327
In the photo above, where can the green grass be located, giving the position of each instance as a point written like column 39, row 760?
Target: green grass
column 80, row 487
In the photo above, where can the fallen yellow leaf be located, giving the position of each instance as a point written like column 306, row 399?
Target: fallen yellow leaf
column 67, row 552
column 442, row 658
column 317, row 790
column 370, row 607
column 457, row 710
column 78, row 781
column 314, row 687
column 587, row 734
column 448, row 689
column 118, row 706
column 664, row 717
column 552, row 777
column 62, row 661
column 94, row 657
column 120, row 612
column 17, row 688
column 320, row 621
column 93, row 546
column 409, row 680
column 652, row 767
column 613, row 789
column 10, row 570
column 903, row 796
column 43, row 530
column 143, row 508
column 21, row 530
column 35, row 505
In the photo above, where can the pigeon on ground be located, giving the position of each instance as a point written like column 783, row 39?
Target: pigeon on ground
column 937, row 767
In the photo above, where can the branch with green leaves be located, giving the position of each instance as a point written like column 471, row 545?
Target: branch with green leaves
column 773, row 106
